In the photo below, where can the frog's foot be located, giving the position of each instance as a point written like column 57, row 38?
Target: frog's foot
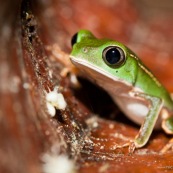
column 167, row 147
column 167, row 125
column 131, row 146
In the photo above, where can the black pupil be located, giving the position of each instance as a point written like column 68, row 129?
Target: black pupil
column 74, row 39
column 113, row 56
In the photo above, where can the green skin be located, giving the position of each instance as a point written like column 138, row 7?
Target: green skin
column 131, row 85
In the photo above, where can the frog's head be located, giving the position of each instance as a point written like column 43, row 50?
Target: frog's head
column 103, row 58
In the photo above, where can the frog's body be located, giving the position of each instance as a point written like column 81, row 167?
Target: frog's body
column 131, row 85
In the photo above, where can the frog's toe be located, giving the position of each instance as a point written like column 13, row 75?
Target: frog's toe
column 167, row 125
column 131, row 146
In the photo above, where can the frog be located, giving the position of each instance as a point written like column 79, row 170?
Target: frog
column 133, row 87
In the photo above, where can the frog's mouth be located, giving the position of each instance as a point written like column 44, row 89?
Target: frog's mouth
column 96, row 74
column 102, row 78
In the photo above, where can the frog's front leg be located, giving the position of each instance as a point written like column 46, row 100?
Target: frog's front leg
column 155, row 106
column 150, row 120
column 147, row 126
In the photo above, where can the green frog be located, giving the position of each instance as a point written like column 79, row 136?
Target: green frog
column 132, row 86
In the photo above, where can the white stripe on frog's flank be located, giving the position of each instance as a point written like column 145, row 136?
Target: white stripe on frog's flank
column 134, row 57
column 150, row 74
column 147, row 71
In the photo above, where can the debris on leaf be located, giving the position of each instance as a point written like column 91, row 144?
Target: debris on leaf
column 57, row 164
column 55, row 100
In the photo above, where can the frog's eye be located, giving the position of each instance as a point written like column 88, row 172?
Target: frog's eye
column 113, row 56
column 74, row 39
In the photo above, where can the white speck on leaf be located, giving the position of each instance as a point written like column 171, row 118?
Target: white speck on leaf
column 53, row 163
column 54, row 101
